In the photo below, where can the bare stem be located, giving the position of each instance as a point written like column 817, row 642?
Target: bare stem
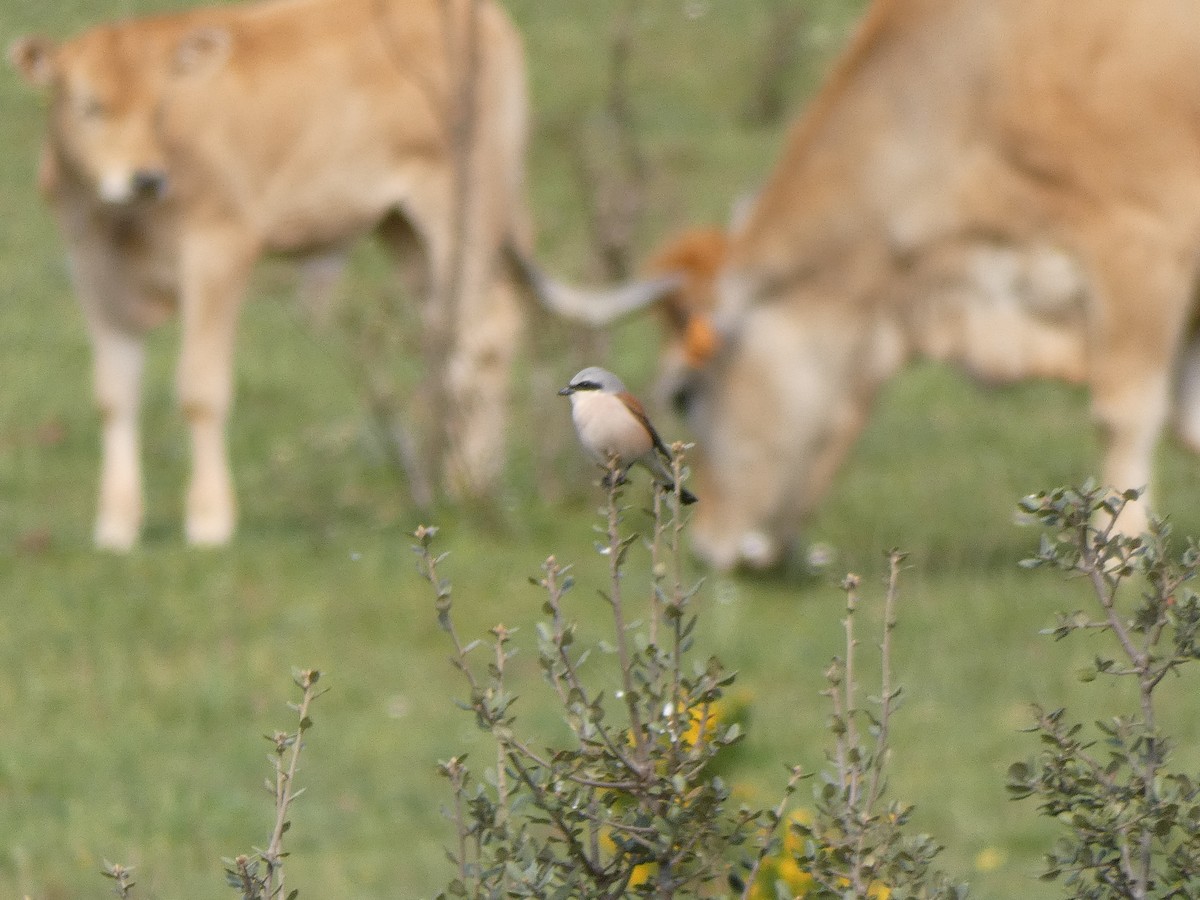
column 886, row 697
column 678, row 594
column 502, row 749
column 614, row 551
column 285, row 779
column 656, row 568
column 849, row 688
column 502, row 637
column 456, row 772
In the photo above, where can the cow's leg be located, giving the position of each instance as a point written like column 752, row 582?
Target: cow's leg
column 478, row 377
column 117, row 363
column 114, row 307
column 215, row 269
column 1143, row 298
column 473, row 304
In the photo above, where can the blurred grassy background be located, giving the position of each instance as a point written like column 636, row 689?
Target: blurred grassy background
column 136, row 690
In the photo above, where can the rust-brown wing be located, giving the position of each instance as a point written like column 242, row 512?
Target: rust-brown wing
column 634, row 406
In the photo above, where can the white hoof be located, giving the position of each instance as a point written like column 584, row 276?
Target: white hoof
column 117, row 535
column 209, row 531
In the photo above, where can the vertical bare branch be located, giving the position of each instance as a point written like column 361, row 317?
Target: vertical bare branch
column 285, row 782
column 678, row 593
column 616, row 553
column 614, row 195
column 887, row 696
column 848, row 686
column 768, row 98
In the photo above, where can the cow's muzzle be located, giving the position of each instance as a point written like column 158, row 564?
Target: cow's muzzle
column 120, row 188
column 150, row 183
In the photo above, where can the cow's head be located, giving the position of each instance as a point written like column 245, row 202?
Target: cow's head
column 727, row 398
column 108, row 88
column 774, row 386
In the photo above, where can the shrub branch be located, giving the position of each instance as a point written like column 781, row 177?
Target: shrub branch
column 1132, row 821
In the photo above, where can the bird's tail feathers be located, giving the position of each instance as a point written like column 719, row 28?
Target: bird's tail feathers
column 686, row 497
column 662, row 476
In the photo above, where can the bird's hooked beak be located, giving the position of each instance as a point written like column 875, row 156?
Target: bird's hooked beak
column 567, row 391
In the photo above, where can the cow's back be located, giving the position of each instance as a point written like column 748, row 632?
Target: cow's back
column 1111, row 87
column 1100, row 99
column 327, row 112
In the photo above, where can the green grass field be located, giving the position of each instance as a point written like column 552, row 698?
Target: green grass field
column 135, row 690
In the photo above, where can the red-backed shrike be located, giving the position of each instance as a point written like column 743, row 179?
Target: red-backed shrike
column 612, row 423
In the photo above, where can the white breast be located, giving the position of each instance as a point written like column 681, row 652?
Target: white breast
column 606, row 428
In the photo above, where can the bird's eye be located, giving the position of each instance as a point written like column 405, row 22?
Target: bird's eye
column 587, row 386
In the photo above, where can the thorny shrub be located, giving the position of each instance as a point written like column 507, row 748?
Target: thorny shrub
column 1132, row 823
column 633, row 804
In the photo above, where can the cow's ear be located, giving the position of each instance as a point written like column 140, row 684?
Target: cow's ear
column 33, row 57
column 202, row 51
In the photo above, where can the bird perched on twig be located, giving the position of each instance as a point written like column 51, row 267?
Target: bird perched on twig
column 612, row 424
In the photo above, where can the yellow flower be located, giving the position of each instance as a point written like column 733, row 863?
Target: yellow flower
column 989, row 859
column 877, row 890
column 728, row 710
column 792, row 842
column 704, row 718
column 641, row 874
column 797, row 880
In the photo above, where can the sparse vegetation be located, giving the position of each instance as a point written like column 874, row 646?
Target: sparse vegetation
column 631, row 804
column 627, row 806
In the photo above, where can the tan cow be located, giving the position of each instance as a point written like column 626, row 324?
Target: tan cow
column 1011, row 185
column 181, row 148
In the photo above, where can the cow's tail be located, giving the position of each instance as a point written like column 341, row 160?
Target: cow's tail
column 588, row 305
column 506, row 83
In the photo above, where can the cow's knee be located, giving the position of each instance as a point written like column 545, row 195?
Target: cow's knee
column 117, row 385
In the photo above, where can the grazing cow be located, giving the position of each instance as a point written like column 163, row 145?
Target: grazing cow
column 1009, row 185
column 183, row 147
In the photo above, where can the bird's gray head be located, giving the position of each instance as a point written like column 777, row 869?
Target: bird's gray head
column 594, row 378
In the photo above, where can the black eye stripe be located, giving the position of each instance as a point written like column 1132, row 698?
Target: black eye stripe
column 586, row 386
